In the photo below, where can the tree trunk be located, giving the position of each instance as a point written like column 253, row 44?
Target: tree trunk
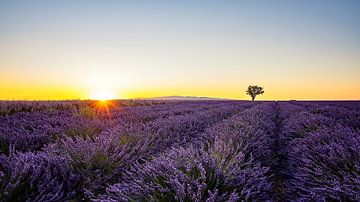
column 253, row 98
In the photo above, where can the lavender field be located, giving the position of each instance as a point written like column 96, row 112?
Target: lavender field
column 179, row 151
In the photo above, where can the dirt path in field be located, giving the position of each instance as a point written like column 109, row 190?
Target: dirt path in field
column 279, row 157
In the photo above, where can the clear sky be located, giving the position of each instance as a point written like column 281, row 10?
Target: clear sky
column 308, row 49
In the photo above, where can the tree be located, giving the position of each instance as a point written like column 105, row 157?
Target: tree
column 253, row 91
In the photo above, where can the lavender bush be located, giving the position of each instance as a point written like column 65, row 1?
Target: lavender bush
column 36, row 177
column 326, row 165
column 218, row 171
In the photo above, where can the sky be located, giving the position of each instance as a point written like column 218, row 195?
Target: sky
column 307, row 49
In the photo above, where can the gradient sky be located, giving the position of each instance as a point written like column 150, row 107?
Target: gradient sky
column 308, row 49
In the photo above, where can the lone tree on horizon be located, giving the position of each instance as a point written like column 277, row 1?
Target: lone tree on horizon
column 253, row 91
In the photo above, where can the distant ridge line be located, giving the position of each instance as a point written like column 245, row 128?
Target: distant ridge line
column 183, row 98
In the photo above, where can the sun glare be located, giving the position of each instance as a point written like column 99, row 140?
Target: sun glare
column 103, row 95
column 104, row 101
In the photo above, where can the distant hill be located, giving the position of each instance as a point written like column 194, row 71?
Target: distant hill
column 185, row 98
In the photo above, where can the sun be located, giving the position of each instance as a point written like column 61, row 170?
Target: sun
column 103, row 95
column 103, row 102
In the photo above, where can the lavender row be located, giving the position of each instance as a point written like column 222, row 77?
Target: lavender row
column 231, row 164
column 343, row 115
column 31, row 131
column 323, row 157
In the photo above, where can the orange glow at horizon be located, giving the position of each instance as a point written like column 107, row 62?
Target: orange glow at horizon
column 273, row 91
column 104, row 107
